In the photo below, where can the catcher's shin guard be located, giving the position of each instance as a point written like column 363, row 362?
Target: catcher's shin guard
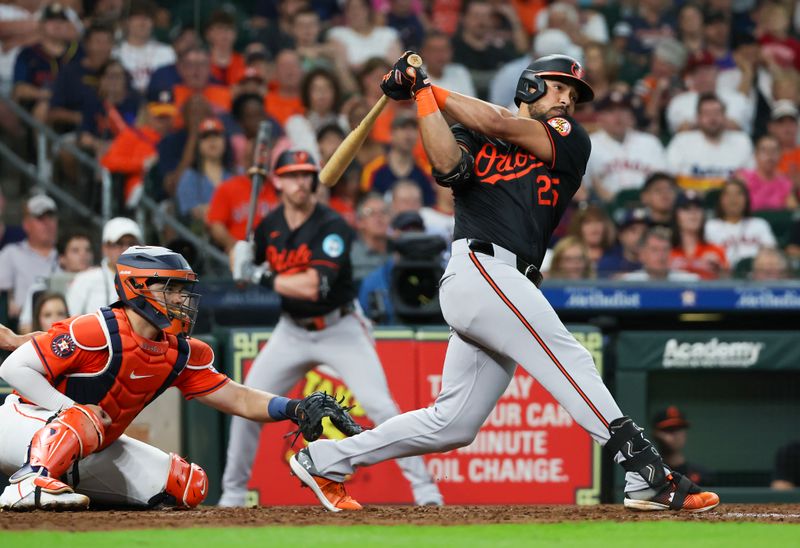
column 65, row 439
column 73, row 434
column 187, row 484
column 640, row 454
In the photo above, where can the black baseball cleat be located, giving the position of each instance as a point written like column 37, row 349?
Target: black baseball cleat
column 680, row 494
column 330, row 493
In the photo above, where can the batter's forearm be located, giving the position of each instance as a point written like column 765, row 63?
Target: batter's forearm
column 473, row 113
column 440, row 145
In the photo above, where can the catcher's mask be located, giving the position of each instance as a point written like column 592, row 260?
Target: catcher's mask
column 297, row 161
column 531, row 85
column 172, row 307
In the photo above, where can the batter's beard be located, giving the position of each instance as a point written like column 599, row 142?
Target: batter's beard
column 546, row 115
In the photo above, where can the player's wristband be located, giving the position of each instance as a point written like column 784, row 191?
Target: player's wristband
column 281, row 409
column 426, row 102
column 441, row 95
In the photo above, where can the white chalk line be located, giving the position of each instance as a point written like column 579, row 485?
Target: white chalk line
column 760, row 515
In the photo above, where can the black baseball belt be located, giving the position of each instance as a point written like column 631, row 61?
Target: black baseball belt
column 525, row 268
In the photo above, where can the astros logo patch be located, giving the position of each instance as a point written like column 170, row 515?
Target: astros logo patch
column 562, row 126
column 333, row 245
column 63, row 346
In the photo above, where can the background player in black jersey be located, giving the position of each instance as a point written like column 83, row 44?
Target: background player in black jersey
column 302, row 251
column 512, row 176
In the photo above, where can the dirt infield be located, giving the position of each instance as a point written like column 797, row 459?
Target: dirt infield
column 378, row 515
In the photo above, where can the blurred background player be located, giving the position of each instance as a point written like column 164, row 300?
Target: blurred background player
column 670, row 433
column 301, row 250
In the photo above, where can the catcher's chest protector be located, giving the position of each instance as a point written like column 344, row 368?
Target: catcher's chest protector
column 138, row 370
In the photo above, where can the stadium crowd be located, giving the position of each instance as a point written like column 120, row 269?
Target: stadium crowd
column 694, row 173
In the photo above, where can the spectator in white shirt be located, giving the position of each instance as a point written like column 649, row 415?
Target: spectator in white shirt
column 734, row 229
column 654, row 250
column 438, row 54
column 24, row 263
column 622, row 157
column 362, row 38
column 700, row 77
column 95, row 287
column 546, row 42
column 74, row 256
column 705, row 157
column 139, row 53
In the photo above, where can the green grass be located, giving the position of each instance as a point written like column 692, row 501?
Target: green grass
column 578, row 534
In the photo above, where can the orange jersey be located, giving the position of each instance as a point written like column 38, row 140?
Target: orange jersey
column 232, row 73
column 98, row 359
column 790, row 163
column 230, row 205
column 218, row 96
column 282, row 108
column 707, row 261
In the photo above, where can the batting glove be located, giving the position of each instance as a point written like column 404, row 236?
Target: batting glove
column 245, row 270
column 404, row 81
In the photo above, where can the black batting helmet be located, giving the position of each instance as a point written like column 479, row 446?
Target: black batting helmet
column 556, row 67
column 296, row 161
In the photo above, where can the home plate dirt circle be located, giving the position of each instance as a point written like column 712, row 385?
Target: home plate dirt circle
column 107, row 520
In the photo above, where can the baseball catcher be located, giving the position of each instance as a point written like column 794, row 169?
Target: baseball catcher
column 78, row 386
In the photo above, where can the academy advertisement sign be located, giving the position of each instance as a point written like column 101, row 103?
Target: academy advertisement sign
column 528, row 451
column 705, row 350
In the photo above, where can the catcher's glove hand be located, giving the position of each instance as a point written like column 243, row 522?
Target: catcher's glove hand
column 313, row 408
column 404, row 81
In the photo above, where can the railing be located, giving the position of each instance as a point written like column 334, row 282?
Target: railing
column 42, row 173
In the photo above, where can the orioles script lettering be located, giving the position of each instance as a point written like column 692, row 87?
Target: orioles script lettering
column 504, row 167
column 288, row 259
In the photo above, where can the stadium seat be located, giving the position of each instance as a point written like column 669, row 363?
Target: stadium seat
column 624, row 199
column 781, row 222
column 742, row 269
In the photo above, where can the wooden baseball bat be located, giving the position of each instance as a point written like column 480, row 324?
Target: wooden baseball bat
column 343, row 155
column 258, row 173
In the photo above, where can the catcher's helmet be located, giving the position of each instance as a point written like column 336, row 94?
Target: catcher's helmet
column 557, row 67
column 141, row 266
column 297, row 161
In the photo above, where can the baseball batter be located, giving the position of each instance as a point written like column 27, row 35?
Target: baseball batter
column 512, row 177
column 302, row 251
column 78, row 386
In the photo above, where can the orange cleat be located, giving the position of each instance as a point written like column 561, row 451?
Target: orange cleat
column 330, row 493
column 680, row 494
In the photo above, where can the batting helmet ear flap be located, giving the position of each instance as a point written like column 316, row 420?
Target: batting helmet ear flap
column 527, row 80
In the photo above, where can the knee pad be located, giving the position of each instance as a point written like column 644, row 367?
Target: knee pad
column 71, row 435
column 186, row 483
column 640, row 454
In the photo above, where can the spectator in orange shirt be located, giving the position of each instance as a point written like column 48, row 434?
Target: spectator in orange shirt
column 194, row 67
column 783, row 126
column 284, row 101
column 369, row 77
column 133, row 150
column 690, row 251
column 227, row 66
column 229, row 207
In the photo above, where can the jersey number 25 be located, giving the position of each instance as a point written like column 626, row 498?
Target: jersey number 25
column 546, row 184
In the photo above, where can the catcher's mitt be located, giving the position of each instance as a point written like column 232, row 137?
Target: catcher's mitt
column 314, row 407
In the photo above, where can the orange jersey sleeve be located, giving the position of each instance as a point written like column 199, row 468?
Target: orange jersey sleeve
column 199, row 377
column 61, row 356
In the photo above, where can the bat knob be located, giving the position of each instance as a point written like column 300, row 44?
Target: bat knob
column 414, row 60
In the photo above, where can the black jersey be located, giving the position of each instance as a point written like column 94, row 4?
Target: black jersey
column 323, row 243
column 514, row 199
